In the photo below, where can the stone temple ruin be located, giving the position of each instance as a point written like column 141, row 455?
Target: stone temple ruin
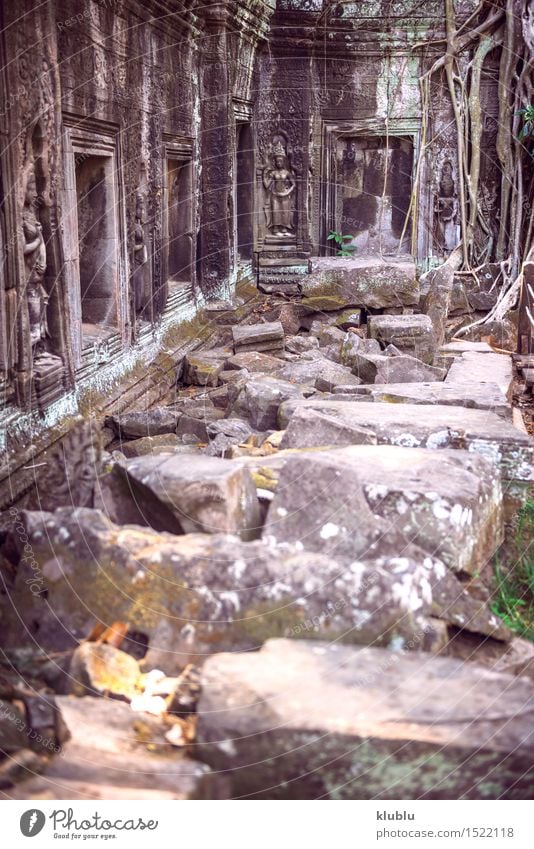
column 266, row 320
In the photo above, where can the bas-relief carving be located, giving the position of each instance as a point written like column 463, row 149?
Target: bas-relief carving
column 280, row 184
column 445, row 209
column 34, row 251
column 141, row 276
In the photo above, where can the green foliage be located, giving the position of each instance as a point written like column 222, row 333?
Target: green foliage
column 513, row 599
column 341, row 241
column 527, row 130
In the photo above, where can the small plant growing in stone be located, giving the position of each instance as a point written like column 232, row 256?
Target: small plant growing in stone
column 343, row 248
column 527, row 130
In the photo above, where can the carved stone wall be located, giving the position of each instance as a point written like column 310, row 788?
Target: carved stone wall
column 101, row 100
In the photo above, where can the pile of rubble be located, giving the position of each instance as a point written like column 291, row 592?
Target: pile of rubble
column 329, row 474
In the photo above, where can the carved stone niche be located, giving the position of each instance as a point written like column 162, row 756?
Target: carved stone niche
column 277, row 198
column 95, row 243
column 179, row 211
column 366, row 187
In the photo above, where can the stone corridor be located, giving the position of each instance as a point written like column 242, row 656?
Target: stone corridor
column 283, row 561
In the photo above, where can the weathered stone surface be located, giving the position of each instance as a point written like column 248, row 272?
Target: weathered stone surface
column 299, row 344
column 107, row 758
column 436, row 303
column 196, row 422
column 482, row 368
column 261, row 397
column 450, row 505
column 312, row 720
column 330, row 375
column 486, row 397
column 326, row 334
column 13, row 728
column 311, row 428
column 258, row 337
column 365, row 281
column 478, row 431
column 98, row 669
column 253, row 362
column 202, row 369
column 196, row 594
column 154, row 422
column 187, row 495
column 321, row 506
column 236, row 429
column 165, row 443
column 379, row 368
column 411, row 334
column 405, row 369
column 315, row 370
column 348, row 318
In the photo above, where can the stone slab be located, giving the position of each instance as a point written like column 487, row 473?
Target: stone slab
column 474, row 395
column 480, row 431
column 363, row 281
column 105, row 759
column 312, row 720
column 482, row 368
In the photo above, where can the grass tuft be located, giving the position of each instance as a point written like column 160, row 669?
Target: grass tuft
column 513, row 598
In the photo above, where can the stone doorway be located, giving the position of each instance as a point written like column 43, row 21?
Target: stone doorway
column 97, row 241
column 372, row 187
column 244, row 191
column 180, row 255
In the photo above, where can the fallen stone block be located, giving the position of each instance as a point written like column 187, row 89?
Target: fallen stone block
column 313, row 429
column 449, row 505
column 154, row 422
column 201, row 494
column 477, row 431
column 348, row 318
column 479, row 397
column 311, row 720
column 106, row 758
column 482, row 369
column 168, row 443
column 411, row 334
column 195, row 422
column 363, row 281
column 258, row 337
column 202, row 369
column 253, row 362
column 299, row 344
column 192, row 595
column 260, row 398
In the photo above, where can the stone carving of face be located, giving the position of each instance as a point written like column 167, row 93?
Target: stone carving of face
column 31, row 190
column 279, row 161
column 140, row 208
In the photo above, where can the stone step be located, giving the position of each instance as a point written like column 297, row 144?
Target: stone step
column 314, row 720
column 479, row 368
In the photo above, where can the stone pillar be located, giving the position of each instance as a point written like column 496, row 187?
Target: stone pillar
column 216, row 155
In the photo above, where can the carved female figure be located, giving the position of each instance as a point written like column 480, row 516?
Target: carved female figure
column 35, row 262
column 280, row 183
column 140, row 254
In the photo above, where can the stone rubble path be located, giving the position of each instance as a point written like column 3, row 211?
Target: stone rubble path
column 310, row 481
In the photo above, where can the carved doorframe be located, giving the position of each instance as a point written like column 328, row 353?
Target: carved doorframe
column 93, row 138
column 332, row 131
